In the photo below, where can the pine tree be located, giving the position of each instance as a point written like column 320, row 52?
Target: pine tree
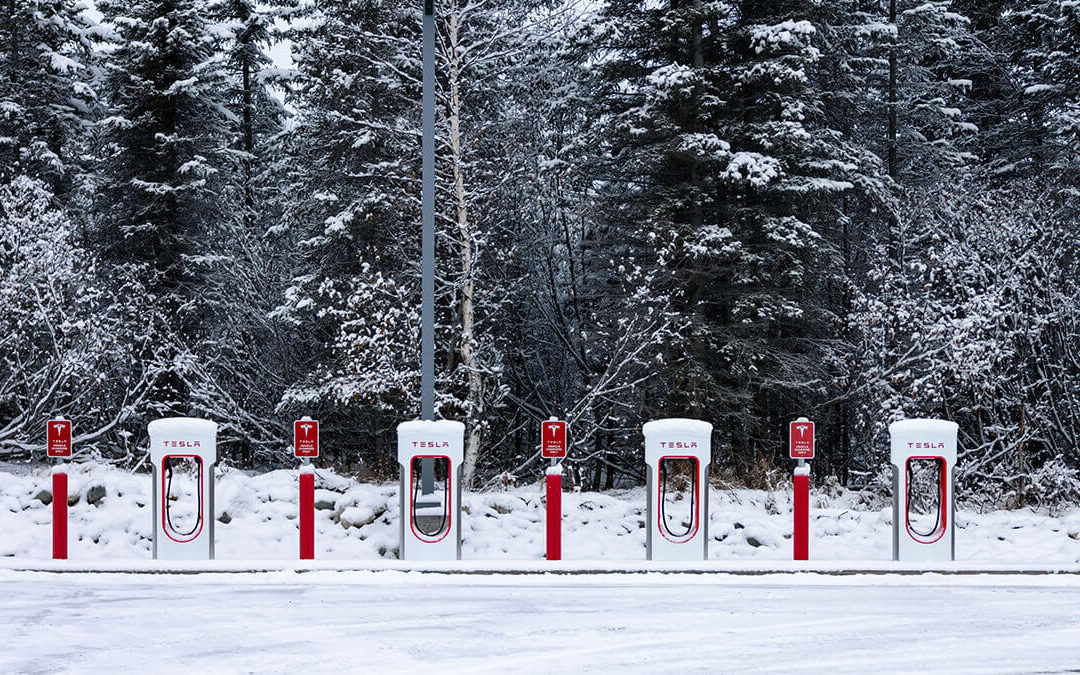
column 163, row 150
column 351, row 209
column 239, row 373
column 728, row 167
column 916, row 67
column 1008, row 143
column 1049, row 36
column 46, row 92
column 258, row 114
column 585, row 326
column 937, row 56
column 852, row 74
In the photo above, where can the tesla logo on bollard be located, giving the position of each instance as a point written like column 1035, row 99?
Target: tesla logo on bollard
column 553, row 439
column 801, row 435
column 58, row 438
column 306, row 438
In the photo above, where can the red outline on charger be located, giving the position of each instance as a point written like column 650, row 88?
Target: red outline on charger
column 943, row 488
column 687, row 538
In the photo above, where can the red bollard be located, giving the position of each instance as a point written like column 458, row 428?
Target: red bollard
column 307, row 513
column 802, row 513
column 59, row 515
column 554, row 513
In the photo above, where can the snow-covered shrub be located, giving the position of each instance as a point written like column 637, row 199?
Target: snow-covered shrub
column 56, row 331
column 1054, row 486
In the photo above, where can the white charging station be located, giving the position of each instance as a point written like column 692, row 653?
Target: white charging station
column 677, row 455
column 923, row 455
column 430, row 454
column 183, row 451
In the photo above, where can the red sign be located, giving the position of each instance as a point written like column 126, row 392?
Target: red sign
column 306, row 438
column 801, row 433
column 58, row 438
column 553, row 439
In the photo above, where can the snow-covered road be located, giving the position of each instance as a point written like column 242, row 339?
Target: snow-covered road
column 408, row 622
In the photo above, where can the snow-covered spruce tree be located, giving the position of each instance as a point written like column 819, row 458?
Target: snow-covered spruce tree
column 1048, row 37
column 914, row 115
column 244, row 356
column 46, row 91
column 1008, row 119
column 935, row 55
column 587, row 327
column 893, row 79
column 258, row 114
column 913, row 61
column 160, row 192
column 854, row 47
column 60, row 346
column 352, row 211
column 357, row 146
column 727, row 170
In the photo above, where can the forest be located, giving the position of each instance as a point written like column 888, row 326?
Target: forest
column 742, row 211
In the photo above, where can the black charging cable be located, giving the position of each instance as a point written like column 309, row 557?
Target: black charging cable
column 446, row 507
column 663, row 503
column 168, row 491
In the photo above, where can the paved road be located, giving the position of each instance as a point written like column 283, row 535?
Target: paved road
column 398, row 622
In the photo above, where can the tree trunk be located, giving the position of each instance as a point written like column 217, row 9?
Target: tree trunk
column 475, row 397
column 696, row 35
column 14, row 64
column 249, row 146
column 895, row 243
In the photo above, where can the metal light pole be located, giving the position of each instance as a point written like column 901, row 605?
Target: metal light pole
column 427, row 285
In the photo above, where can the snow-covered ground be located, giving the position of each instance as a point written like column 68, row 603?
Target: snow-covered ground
column 404, row 622
column 384, row 619
column 360, row 522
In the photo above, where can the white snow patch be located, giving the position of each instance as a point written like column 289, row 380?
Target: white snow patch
column 609, row 526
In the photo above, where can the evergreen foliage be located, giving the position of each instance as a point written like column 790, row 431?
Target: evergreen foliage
column 47, row 93
column 738, row 210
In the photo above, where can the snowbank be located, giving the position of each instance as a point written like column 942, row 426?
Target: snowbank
column 257, row 521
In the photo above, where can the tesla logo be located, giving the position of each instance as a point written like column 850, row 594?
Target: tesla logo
column 182, row 444
column 553, row 439
column 306, row 438
column 925, row 445
column 58, row 438
column 678, row 444
column 431, row 444
column 801, row 439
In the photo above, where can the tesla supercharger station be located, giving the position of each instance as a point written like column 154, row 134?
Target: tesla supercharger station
column 553, row 446
column 58, row 445
column 431, row 523
column 677, row 455
column 183, row 451
column 923, row 455
column 305, row 448
column 801, row 448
